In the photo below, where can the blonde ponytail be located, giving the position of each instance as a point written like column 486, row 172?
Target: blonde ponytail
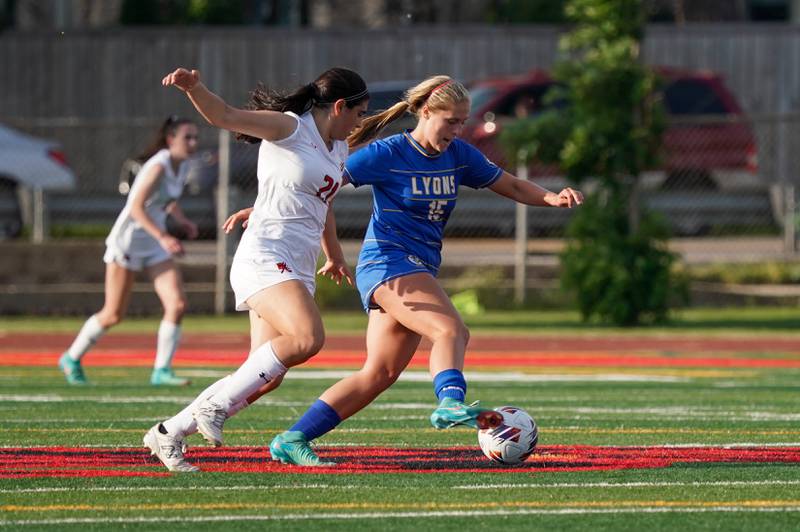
column 438, row 92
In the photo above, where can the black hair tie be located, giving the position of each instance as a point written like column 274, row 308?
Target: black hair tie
column 312, row 88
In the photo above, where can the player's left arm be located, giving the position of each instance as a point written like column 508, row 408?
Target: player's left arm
column 529, row 193
column 335, row 265
column 174, row 210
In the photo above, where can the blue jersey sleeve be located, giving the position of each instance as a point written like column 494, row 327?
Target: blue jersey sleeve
column 368, row 165
column 480, row 172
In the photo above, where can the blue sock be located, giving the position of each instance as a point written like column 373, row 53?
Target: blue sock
column 319, row 419
column 450, row 383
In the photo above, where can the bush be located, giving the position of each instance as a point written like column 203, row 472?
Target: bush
column 617, row 275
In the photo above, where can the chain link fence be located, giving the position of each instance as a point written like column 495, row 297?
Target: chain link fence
column 720, row 177
column 726, row 176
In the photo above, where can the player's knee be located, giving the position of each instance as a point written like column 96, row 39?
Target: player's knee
column 382, row 377
column 458, row 333
column 176, row 308
column 309, row 344
column 109, row 319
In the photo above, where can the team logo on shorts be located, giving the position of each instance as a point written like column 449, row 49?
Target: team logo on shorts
column 414, row 260
column 283, row 267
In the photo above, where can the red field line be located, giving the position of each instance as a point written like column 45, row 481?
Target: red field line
column 239, row 342
column 41, row 462
column 342, row 358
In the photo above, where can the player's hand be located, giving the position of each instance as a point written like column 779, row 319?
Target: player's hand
column 566, row 198
column 336, row 271
column 171, row 244
column 182, row 79
column 240, row 216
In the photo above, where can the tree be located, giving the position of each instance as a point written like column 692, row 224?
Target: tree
column 616, row 261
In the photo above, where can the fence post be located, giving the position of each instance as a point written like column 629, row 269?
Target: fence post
column 789, row 219
column 223, row 209
column 40, row 229
column 521, row 236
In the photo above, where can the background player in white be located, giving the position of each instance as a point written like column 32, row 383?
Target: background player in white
column 139, row 242
column 301, row 159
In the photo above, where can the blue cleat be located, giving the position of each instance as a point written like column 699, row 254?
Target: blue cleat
column 167, row 377
column 291, row 447
column 452, row 412
column 72, row 369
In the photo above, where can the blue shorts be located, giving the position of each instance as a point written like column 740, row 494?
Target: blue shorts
column 377, row 266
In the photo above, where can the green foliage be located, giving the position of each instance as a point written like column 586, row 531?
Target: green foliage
column 609, row 130
column 619, row 276
column 757, row 273
column 153, row 12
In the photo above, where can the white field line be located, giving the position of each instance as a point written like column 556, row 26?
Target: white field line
column 720, row 483
column 731, row 483
column 476, row 376
column 396, row 515
column 675, row 412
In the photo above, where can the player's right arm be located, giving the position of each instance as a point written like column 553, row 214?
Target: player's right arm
column 267, row 125
column 144, row 189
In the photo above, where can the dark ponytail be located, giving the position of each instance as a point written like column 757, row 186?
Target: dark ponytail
column 332, row 85
column 169, row 127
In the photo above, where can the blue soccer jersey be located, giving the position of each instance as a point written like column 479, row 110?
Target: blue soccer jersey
column 414, row 193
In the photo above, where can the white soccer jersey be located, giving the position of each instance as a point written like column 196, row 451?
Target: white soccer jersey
column 127, row 235
column 297, row 178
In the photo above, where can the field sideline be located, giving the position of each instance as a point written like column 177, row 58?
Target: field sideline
column 693, row 426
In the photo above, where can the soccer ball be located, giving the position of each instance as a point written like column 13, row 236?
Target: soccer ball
column 513, row 441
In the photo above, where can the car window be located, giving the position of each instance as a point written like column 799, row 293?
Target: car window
column 383, row 99
column 692, row 97
column 526, row 102
column 479, row 96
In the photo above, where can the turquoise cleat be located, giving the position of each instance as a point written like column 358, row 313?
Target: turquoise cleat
column 72, row 369
column 291, row 447
column 452, row 412
column 167, row 377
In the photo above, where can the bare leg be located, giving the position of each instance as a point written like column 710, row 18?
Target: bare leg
column 390, row 347
column 118, row 285
column 419, row 303
column 168, row 284
column 290, row 310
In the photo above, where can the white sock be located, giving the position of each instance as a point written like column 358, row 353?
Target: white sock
column 183, row 423
column 87, row 337
column 169, row 334
column 260, row 368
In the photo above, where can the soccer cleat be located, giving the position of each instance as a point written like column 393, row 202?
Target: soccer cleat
column 169, row 450
column 452, row 412
column 167, row 377
column 210, row 418
column 72, row 369
column 291, row 447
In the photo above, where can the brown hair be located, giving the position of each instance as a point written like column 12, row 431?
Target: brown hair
column 437, row 92
column 332, row 85
column 159, row 142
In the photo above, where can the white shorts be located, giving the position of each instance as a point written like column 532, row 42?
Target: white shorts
column 137, row 259
column 250, row 275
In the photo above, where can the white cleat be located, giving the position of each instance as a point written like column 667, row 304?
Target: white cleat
column 169, row 450
column 210, row 418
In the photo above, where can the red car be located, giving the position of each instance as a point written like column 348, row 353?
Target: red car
column 707, row 145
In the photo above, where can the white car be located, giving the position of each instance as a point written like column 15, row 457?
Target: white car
column 29, row 162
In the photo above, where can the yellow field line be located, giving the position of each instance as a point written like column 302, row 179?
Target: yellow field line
column 755, row 503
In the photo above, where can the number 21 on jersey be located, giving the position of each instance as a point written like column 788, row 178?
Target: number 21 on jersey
column 328, row 189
